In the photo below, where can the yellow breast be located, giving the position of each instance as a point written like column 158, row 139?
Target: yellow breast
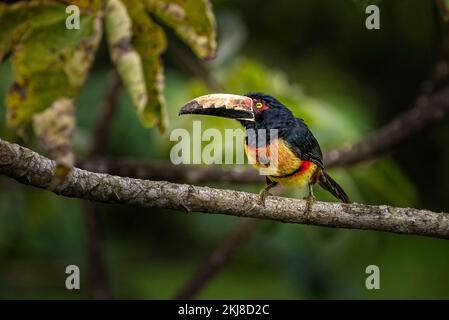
column 286, row 162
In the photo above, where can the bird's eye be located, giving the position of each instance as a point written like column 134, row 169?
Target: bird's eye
column 259, row 105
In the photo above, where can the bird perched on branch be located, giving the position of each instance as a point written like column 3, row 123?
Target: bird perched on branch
column 299, row 161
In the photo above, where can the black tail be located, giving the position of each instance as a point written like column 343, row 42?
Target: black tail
column 329, row 184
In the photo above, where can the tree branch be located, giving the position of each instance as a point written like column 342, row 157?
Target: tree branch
column 107, row 111
column 97, row 269
column 428, row 109
column 170, row 172
column 33, row 169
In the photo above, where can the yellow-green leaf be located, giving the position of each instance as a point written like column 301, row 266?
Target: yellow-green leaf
column 55, row 126
column 192, row 20
column 52, row 62
column 118, row 27
column 18, row 20
column 149, row 41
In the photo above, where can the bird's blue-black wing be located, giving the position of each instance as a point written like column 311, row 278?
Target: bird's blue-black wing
column 303, row 143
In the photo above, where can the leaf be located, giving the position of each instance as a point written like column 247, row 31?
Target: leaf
column 55, row 126
column 17, row 20
column 136, row 41
column 118, row 27
column 149, row 41
column 192, row 20
column 53, row 62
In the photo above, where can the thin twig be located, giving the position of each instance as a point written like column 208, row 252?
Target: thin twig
column 98, row 275
column 192, row 64
column 219, row 258
column 175, row 173
column 429, row 109
column 104, row 120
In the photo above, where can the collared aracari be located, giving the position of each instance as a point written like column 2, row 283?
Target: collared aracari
column 300, row 161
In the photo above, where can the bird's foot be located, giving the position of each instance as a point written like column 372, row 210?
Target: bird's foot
column 310, row 199
column 263, row 196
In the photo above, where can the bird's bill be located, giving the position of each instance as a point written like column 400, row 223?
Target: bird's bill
column 221, row 105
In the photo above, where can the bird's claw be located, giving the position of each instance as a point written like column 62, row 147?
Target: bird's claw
column 263, row 196
column 310, row 199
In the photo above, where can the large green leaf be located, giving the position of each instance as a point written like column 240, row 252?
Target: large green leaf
column 52, row 62
column 192, row 20
column 18, row 20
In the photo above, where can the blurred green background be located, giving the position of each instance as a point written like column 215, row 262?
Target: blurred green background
column 345, row 81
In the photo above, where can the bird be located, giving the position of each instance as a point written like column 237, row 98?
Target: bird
column 299, row 156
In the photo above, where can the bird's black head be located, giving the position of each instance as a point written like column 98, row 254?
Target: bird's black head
column 268, row 102
column 253, row 110
column 268, row 112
